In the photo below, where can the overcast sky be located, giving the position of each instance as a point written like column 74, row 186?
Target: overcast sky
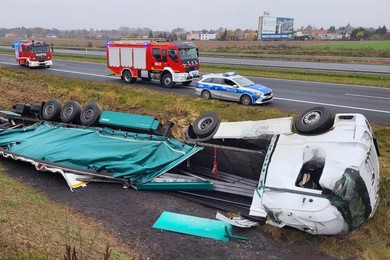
column 190, row 15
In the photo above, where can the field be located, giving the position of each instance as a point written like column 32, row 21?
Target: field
column 371, row 241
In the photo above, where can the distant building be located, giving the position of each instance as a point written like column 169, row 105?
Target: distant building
column 51, row 35
column 193, row 36
column 10, row 35
column 208, row 36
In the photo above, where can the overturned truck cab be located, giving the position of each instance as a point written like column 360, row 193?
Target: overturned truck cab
column 318, row 173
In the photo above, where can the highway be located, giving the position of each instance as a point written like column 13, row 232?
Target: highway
column 373, row 102
column 268, row 63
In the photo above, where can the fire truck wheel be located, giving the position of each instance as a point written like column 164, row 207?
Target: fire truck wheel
column 205, row 124
column 90, row 114
column 27, row 64
column 186, row 83
column 315, row 120
column 128, row 77
column 167, row 81
column 70, row 112
column 51, row 110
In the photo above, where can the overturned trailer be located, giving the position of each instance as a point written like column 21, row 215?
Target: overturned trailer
column 318, row 173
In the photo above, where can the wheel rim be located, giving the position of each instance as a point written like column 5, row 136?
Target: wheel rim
column 88, row 114
column 127, row 76
column 246, row 100
column 49, row 109
column 67, row 111
column 167, row 81
column 311, row 117
column 206, row 95
column 205, row 123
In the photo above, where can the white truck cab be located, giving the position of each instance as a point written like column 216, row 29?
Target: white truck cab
column 319, row 173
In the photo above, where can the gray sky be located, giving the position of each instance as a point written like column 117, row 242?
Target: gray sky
column 188, row 14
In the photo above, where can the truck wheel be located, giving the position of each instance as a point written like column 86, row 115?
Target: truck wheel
column 51, row 110
column 246, row 100
column 205, row 124
column 70, row 112
column 28, row 64
column 128, row 77
column 315, row 120
column 186, row 83
column 167, row 81
column 90, row 114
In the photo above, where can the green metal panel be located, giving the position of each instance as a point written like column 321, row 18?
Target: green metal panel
column 195, row 226
column 128, row 120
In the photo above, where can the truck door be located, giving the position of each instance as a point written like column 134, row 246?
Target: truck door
column 159, row 59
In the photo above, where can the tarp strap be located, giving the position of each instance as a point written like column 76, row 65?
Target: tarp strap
column 214, row 171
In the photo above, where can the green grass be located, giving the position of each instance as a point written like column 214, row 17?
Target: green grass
column 373, row 45
column 370, row 241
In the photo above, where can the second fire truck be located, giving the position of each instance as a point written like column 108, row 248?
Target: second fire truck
column 33, row 53
column 168, row 62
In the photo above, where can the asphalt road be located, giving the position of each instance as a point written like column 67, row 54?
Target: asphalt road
column 373, row 102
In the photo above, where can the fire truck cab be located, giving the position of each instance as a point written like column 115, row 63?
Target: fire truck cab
column 33, row 53
column 168, row 62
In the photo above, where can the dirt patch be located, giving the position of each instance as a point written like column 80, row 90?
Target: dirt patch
column 130, row 215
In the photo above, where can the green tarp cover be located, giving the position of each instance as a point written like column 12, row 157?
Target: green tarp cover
column 137, row 157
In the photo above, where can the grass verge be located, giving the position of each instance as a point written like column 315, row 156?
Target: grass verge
column 371, row 241
column 34, row 227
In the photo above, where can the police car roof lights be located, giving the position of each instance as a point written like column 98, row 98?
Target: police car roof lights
column 229, row 74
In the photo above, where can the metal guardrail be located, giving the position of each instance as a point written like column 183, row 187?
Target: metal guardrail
column 251, row 57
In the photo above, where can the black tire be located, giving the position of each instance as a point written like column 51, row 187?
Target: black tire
column 246, row 100
column 186, row 83
column 28, row 64
column 51, row 110
column 315, row 120
column 206, row 94
column 90, row 114
column 205, row 124
column 128, row 77
column 70, row 112
column 167, row 81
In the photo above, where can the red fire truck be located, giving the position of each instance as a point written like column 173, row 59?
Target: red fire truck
column 33, row 53
column 168, row 62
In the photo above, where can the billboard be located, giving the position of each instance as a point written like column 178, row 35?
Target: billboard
column 275, row 28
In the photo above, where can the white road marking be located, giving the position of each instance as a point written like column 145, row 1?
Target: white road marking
column 83, row 73
column 333, row 105
column 355, row 95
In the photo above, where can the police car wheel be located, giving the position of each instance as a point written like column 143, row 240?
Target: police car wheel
column 315, row 120
column 205, row 124
column 206, row 94
column 90, row 114
column 246, row 100
column 51, row 110
column 70, row 112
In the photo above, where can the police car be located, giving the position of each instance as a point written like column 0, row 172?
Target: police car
column 230, row 86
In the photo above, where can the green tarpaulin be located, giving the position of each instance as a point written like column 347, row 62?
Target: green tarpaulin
column 137, row 157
